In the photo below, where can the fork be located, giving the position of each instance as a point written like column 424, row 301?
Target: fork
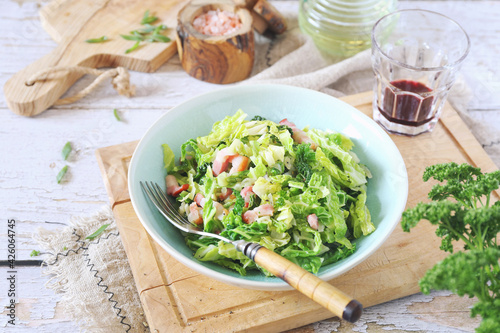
column 307, row 283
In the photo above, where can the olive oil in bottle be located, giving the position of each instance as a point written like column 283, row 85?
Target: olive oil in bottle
column 342, row 28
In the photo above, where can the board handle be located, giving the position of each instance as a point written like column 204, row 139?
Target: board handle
column 32, row 98
column 309, row 284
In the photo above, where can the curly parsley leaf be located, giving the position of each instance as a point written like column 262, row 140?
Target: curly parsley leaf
column 461, row 210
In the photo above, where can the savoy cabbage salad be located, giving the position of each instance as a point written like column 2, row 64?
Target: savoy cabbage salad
column 299, row 193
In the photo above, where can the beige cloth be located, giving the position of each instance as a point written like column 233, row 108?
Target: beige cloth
column 94, row 276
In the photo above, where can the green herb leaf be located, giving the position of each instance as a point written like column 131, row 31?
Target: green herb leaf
column 146, row 19
column 148, row 28
column 97, row 232
column 66, row 150
column 157, row 30
column 133, row 48
column 137, row 38
column 34, row 253
column 61, row 174
column 160, row 38
column 65, row 248
column 97, row 40
column 149, row 20
column 117, row 116
column 136, row 33
column 461, row 210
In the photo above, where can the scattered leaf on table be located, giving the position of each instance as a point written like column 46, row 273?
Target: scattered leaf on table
column 137, row 38
column 61, row 174
column 159, row 38
column 66, row 150
column 98, row 40
column 146, row 19
column 117, row 116
column 135, row 47
column 97, row 232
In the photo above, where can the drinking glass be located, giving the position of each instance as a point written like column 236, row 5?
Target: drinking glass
column 416, row 55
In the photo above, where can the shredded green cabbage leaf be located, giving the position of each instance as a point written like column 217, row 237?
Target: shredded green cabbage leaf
column 297, row 180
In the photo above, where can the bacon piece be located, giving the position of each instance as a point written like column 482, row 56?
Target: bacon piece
column 299, row 135
column 263, row 210
column 224, row 195
column 199, row 199
column 221, row 162
column 224, row 157
column 173, row 187
column 195, row 214
column 220, row 212
column 246, row 193
column 312, row 219
column 239, row 163
column 250, row 216
column 246, row 190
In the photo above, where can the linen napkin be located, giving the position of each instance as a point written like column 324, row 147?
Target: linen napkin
column 94, row 275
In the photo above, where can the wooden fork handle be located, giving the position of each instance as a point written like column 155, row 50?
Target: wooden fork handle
column 309, row 284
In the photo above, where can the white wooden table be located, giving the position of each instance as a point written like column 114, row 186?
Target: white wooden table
column 30, row 150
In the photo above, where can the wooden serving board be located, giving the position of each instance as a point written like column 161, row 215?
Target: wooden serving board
column 70, row 23
column 177, row 299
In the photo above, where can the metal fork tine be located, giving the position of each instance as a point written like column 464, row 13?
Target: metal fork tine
column 166, row 202
column 166, row 205
column 147, row 190
column 168, row 214
column 157, row 197
column 171, row 207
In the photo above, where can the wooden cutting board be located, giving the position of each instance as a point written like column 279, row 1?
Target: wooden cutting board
column 70, row 23
column 177, row 299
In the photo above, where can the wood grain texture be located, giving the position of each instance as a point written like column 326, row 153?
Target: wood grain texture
column 89, row 22
column 111, row 163
column 32, row 159
column 215, row 59
column 277, row 22
column 198, row 302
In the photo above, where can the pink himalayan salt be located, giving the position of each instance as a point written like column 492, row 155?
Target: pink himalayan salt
column 217, row 23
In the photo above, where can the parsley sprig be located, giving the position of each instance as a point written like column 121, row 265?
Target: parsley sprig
column 462, row 210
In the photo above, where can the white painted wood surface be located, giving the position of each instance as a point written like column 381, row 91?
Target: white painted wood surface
column 30, row 150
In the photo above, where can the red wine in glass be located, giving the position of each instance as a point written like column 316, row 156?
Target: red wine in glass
column 408, row 109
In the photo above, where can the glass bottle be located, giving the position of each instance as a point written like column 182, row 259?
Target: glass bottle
column 342, row 28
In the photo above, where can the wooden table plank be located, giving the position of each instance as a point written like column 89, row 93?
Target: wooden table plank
column 31, row 153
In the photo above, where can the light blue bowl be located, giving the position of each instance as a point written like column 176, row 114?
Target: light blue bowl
column 387, row 190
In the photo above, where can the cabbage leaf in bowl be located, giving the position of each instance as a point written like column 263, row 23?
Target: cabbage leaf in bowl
column 300, row 193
